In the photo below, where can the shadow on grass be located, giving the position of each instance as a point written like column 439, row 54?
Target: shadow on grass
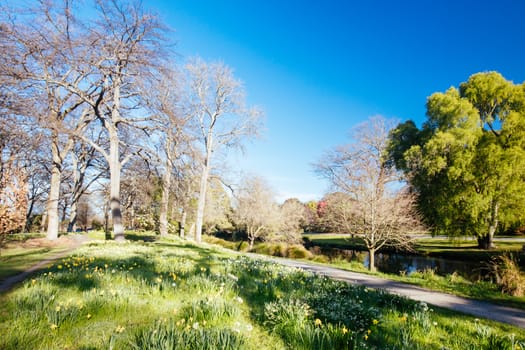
column 138, row 266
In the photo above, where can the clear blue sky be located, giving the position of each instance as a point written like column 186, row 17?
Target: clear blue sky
column 317, row 68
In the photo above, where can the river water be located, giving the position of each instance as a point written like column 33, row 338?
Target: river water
column 397, row 263
column 407, row 264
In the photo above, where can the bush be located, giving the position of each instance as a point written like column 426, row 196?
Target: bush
column 297, row 251
column 508, row 275
column 243, row 246
column 272, row 249
column 219, row 241
column 320, row 259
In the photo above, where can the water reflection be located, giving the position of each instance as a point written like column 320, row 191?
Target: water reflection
column 396, row 263
column 407, row 264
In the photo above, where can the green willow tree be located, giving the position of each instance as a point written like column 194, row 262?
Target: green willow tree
column 467, row 163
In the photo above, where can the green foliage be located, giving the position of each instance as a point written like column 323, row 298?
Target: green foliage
column 467, row 162
column 508, row 275
column 180, row 336
column 243, row 246
column 290, row 320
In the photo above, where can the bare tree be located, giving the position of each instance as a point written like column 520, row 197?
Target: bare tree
column 338, row 212
column 381, row 210
column 46, row 45
column 293, row 217
column 255, row 209
column 218, row 207
column 140, row 194
column 127, row 45
column 87, row 168
column 83, row 214
column 166, row 101
column 222, row 119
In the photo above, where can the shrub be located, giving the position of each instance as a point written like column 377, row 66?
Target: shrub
column 508, row 275
column 243, row 246
column 273, row 249
column 219, row 241
column 297, row 251
column 320, row 259
column 427, row 274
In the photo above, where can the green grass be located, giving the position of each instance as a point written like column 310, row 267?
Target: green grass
column 439, row 247
column 170, row 294
column 16, row 260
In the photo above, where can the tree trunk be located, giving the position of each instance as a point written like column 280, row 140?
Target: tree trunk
column 54, row 192
column 372, row 260
column 182, row 223
column 114, row 169
column 43, row 223
column 202, row 191
column 29, row 217
column 64, row 216
column 163, row 215
column 487, row 241
column 72, row 225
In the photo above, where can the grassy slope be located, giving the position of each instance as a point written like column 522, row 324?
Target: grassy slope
column 119, row 296
column 25, row 250
column 16, row 260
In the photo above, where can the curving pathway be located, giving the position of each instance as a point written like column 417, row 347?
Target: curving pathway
column 473, row 307
column 9, row 282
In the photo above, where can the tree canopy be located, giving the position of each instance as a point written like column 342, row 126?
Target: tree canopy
column 467, row 162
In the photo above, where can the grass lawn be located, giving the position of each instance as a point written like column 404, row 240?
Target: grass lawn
column 171, row 294
column 457, row 249
column 22, row 252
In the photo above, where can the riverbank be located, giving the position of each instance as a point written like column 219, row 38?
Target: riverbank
column 453, row 283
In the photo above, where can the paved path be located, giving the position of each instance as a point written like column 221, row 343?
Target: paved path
column 9, row 282
column 468, row 306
